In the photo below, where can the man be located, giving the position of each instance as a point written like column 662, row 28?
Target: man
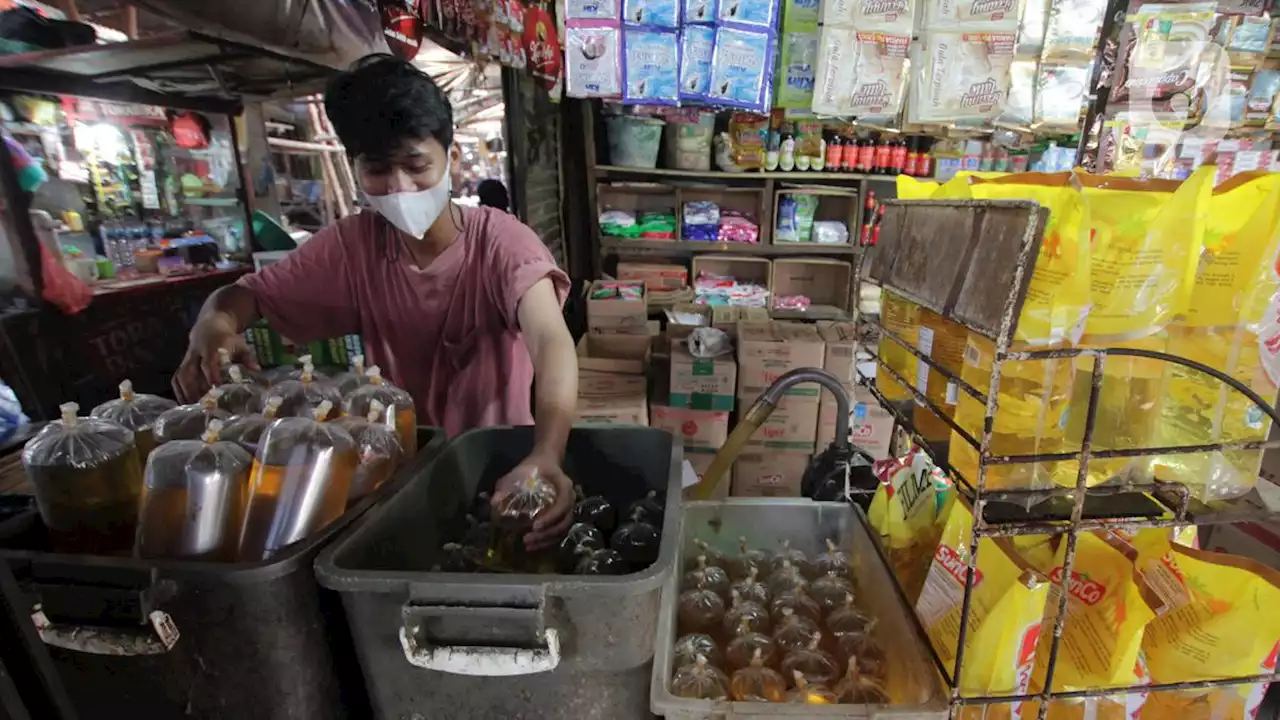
column 460, row 306
column 493, row 193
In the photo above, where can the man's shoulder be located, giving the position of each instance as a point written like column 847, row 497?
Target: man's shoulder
column 500, row 230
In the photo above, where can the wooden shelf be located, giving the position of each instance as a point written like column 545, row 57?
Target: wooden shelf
column 683, row 247
column 810, row 175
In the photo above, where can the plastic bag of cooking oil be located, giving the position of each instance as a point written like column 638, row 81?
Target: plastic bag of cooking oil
column 353, row 378
column 901, row 317
column 247, row 430
column 87, row 479
column 1226, row 627
column 193, row 498
column 398, row 403
column 910, row 188
column 240, row 395
column 303, row 394
column 1005, row 612
column 904, row 512
column 943, row 341
column 1108, row 606
column 136, row 411
column 379, row 448
column 224, row 372
column 1233, row 287
column 188, row 422
column 299, row 483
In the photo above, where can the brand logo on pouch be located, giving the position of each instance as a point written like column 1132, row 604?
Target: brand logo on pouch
column 950, row 560
column 889, row 8
column 995, row 8
column 873, row 95
column 983, row 94
column 1087, row 591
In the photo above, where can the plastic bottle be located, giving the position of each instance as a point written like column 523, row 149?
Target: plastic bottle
column 883, row 153
column 835, row 152
column 787, row 150
column 866, row 154
column 897, row 156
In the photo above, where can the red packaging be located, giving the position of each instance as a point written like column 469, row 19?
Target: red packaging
column 898, row 156
column 866, row 155
column 882, row 157
column 835, row 153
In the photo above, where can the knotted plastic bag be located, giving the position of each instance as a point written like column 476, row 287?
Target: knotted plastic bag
column 379, row 448
column 136, row 411
column 188, row 422
column 303, row 394
column 247, row 430
column 398, row 403
column 240, row 395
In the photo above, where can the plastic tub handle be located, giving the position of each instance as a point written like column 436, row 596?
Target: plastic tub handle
column 157, row 638
column 481, row 660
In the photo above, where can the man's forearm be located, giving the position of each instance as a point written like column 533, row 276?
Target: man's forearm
column 555, row 368
column 232, row 307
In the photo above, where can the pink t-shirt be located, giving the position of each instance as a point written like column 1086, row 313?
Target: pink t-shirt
column 448, row 333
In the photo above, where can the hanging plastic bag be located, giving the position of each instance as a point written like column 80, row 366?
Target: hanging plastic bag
column 299, row 483
column 399, row 404
column 87, row 480
column 301, row 395
column 379, row 448
column 193, row 498
column 188, row 422
column 136, row 411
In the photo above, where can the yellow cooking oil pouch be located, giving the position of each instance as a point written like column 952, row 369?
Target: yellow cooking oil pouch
column 1233, row 286
column 901, row 317
column 1108, row 607
column 904, row 513
column 1225, row 626
column 910, row 188
column 1007, row 605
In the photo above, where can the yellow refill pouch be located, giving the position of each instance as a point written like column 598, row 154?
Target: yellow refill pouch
column 1233, row 287
column 1225, row 627
column 901, row 317
column 1108, row 605
column 904, row 512
column 1007, row 605
column 910, row 188
column 1033, row 394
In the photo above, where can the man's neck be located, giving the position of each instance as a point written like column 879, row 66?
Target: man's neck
column 442, row 233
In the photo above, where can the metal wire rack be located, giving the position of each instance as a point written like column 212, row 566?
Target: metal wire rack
column 978, row 278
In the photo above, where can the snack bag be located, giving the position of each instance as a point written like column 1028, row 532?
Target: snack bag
column 1226, row 626
column 962, row 76
column 1005, row 612
column 1232, row 289
column 904, row 512
column 1108, row 605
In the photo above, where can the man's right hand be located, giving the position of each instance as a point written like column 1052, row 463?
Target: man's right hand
column 201, row 368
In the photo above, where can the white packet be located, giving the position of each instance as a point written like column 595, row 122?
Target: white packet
column 963, row 75
column 592, row 66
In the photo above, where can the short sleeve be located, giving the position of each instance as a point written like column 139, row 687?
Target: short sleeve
column 520, row 260
column 309, row 294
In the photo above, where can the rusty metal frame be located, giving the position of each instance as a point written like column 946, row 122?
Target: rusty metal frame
column 1175, row 498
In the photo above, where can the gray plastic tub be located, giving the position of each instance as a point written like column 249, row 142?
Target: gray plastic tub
column 914, row 682
column 440, row 646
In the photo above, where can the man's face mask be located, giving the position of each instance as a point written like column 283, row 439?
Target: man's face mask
column 414, row 212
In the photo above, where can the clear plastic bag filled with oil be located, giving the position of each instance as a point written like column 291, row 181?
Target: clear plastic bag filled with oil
column 745, row 612
column 746, row 559
column 746, row 644
column 700, row 611
column 637, row 541
column 303, row 362
column 193, row 498
column 689, row 647
column 299, row 483
column 793, row 632
column 706, row 577
column 513, row 516
column 352, row 378
column 398, row 403
column 857, row 687
column 813, row 662
column 750, row 588
column 800, row 604
column 829, row 592
column 379, row 448
column 757, row 683
column 240, row 395
column 224, row 373
column 247, row 430
column 700, row 681
column 188, row 422
column 807, row 693
column 87, row 480
column 303, row 394
column 136, row 411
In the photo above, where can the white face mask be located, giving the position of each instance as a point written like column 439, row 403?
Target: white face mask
column 414, row 212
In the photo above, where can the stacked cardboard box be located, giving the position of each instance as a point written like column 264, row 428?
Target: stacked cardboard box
column 701, row 432
column 616, row 315
column 701, row 384
column 611, row 379
column 870, row 425
column 774, row 461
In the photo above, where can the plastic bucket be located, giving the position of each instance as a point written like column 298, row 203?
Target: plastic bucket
column 253, row 640
column 634, row 141
column 470, row 645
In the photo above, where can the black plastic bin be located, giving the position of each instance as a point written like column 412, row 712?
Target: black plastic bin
column 455, row 646
column 255, row 640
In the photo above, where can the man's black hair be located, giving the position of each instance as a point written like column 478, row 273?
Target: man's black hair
column 381, row 101
column 493, row 193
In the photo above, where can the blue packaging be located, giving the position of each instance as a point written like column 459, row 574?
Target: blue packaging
column 750, row 14
column 697, row 43
column 742, row 69
column 699, row 11
column 652, row 13
column 650, row 66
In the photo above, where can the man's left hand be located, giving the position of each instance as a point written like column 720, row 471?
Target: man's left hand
column 552, row 523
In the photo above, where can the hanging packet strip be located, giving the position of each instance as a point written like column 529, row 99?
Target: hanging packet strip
column 591, row 10
column 795, row 81
column 1060, row 95
column 1160, row 52
column 888, row 15
column 742, row 69
column 699, row 12
column 697, row 43
column 963, row 75
column 650, row 67
column 652, row 13
column 592, row 61
column 977, row 15
column 1019, row 107
column 1071, row 30
column 755, row 15
column 800, row 16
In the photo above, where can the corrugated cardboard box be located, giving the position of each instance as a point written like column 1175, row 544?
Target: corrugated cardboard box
column 677, row 332
column 769, row 473
column 701, row 429
column 612, row 365
column 840, row 358
column 870, row 426
column 727, row 318
column 620, row 410
column 700, row 383
column 700, row 459
column 793, row 425
column 766, row 351
column 616, row 316
column 655, row 276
